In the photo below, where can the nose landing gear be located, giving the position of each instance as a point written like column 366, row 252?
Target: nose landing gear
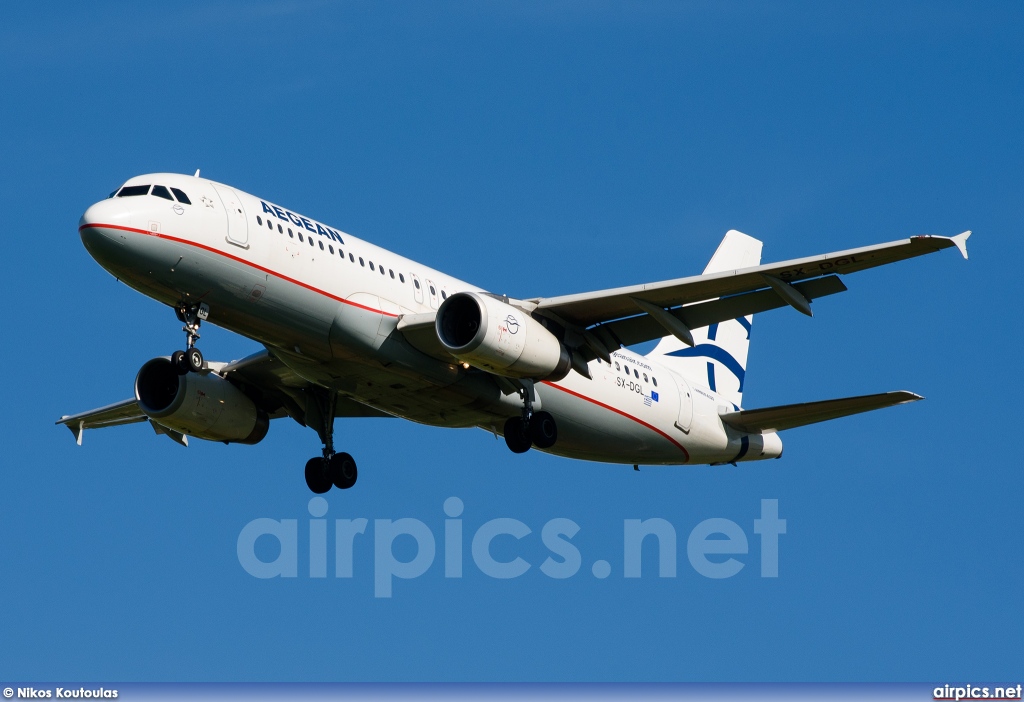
column 191, row 359
column 531, row 428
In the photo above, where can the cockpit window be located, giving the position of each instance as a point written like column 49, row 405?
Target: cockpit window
column 133, row 190
column 161, row 191
column 182, row 197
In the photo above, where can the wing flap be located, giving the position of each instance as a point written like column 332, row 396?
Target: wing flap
column 586, row 309
column 759, row 421
column 635, row 330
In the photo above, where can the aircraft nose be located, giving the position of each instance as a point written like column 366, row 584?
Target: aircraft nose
column 109, row 211
column 102, row 228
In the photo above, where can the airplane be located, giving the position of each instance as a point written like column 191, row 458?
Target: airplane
column 350, row 329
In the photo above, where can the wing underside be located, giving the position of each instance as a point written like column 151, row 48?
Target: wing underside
column 274, row 387
column 617, row 314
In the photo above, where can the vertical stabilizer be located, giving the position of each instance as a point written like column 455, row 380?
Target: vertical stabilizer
column 718, row 358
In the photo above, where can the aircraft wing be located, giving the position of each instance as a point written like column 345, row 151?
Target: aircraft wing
column 274, row 387
column 758, row 421
column 745, row 291
column 124, row 412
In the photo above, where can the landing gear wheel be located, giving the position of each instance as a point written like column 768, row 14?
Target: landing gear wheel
column 543, row 430
column 194, row 359
column 343, row 471
column 517, row 435
column 179, row 362
column 317, row 478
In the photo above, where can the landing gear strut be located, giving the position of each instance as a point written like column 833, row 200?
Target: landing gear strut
column 330, row 469
column 191, row 359
column 531, row 428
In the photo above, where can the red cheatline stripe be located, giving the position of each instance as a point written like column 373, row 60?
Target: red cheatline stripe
column 236, row 258
column 618, row 411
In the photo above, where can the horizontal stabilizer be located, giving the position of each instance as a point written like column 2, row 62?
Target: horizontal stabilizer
column 789, row 416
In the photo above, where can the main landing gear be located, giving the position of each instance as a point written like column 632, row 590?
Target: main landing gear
column 191, row 359
column 531, row 428
column 330, row 469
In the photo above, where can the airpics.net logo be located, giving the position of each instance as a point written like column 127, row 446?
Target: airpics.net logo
column 715, row 548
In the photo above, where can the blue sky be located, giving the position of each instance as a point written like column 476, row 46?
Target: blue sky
column 534, row 149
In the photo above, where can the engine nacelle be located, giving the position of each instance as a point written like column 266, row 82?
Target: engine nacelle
column 500, row 338
column 203, row 405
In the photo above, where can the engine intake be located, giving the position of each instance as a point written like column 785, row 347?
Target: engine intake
column 497, row 337
column 203, row 405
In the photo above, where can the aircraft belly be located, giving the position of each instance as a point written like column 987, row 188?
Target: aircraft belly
column 257, row 305
column 591, row 425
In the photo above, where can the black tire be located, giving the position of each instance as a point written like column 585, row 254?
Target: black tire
column 516, row 435
column 543, row 430
column 194, row 360
column 317, row 479
column 343, row 471
column 179, row 362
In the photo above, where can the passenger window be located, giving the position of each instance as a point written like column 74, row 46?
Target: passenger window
column 432, row 291
column 444, row 295
column 321, row 245
column 654, row 380
column 311, row 241
column 351, row 258
column 280, row 229
column 416, row 283
column 133, row 190
column 617, row 366
column 371, row 265
column 401, row 277
column 259, row 220
column 636, row 373
column 331, row 248
column 182, row 197
column 300, row 237
column 270, row 225
column 645, row 378
column 361, row 262
column 161, row 191
column 392, row 274
column 290, row 235
column 381, row 270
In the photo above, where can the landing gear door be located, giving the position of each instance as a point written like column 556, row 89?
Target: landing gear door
column 685, row 416
column 238, row 228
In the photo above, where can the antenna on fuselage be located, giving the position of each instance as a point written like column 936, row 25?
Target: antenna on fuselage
column 197, row 173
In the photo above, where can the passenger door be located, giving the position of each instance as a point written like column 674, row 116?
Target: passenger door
column 685, row 416
column 238, row 227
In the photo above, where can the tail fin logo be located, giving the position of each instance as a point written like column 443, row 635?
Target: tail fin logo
column 716, row 353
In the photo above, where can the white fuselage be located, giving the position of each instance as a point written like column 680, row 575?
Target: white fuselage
column 327, row 304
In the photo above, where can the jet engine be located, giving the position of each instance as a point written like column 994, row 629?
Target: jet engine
column 497, row 337
column 203, row 405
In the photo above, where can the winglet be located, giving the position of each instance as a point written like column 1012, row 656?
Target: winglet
column 77, row 430
column 961, row 242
